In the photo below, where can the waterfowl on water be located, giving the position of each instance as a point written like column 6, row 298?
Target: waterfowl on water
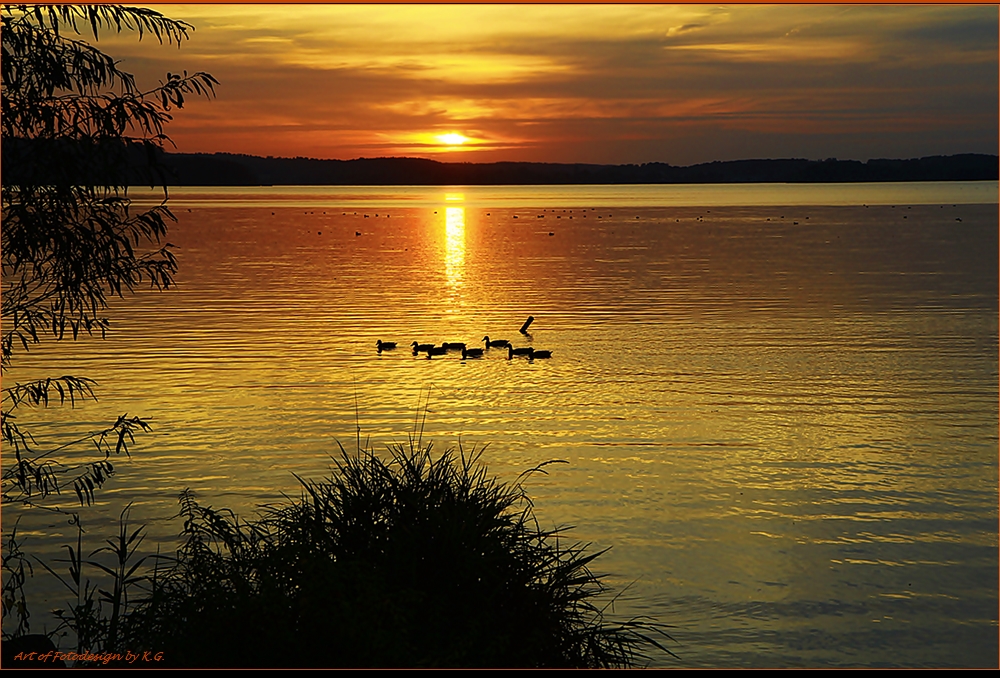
column 421, row 347
column 472, row 353
column 385, row 345
column 436, row 350
column 454, row 345
column 511, row 351
column 499, row 343
column 540, row 354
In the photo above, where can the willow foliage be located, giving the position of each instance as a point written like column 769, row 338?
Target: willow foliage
column 73, row 124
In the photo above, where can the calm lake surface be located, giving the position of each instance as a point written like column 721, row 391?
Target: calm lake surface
column 778, row 403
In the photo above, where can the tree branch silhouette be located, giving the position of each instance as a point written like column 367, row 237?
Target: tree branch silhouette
column 73, row 124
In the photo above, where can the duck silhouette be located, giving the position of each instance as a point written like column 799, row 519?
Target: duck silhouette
column 540, row 354
column 385, row 345
column 499, row 343
column 511, row 351
column 472, row 353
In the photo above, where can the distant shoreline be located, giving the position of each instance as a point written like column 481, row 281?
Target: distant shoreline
column 228, row 169
column 195, row 169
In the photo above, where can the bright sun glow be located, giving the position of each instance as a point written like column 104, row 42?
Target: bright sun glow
column 452, row 139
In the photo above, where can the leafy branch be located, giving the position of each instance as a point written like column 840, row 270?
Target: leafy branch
column 35, row 475
column 74, row 126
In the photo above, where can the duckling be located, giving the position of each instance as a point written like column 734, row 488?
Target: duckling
column 499, row 343
column 385, row 345
column 540, row 354
column 421, row 347
column 472, row 353
column 511, row 351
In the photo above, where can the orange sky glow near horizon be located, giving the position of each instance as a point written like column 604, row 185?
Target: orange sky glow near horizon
column 680, row 84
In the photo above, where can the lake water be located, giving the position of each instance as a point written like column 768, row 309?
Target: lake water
column 778, row 403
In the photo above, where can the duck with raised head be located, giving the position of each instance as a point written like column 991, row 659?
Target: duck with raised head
column 472, row 353
column 385, row 345
column 540, row 354
column 421, row 347
column 499, row 343
column 511, row 351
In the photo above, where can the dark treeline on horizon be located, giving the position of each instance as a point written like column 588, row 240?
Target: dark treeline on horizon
column 226, row 169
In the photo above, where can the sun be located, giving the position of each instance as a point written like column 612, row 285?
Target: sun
column 452, row 139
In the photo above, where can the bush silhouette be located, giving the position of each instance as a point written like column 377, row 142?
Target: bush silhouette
column 406, row 562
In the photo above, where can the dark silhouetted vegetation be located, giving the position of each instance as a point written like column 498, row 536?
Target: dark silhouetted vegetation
column 406, row 562
column 69, row 245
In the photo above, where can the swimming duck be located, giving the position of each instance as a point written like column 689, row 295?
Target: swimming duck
column 454, row 345
column 540, row 354
column 384, row 345
column 511, row 351
column 436, row 350
column 421, row 347
column 499, row 343
column 472, row 353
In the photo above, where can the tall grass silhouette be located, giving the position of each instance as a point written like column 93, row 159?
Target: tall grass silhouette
column 407, row 561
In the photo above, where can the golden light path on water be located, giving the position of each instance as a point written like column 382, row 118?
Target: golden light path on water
column 454, row 228
column 782, row 417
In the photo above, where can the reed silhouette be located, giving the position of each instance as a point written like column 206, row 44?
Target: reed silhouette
column 407, row 561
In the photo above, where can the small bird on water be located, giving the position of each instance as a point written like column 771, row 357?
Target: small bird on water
column 385, row 345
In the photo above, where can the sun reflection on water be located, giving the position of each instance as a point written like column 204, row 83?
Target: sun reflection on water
column 454, row 256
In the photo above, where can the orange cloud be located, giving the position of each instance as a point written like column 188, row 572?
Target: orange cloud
column 601, row 83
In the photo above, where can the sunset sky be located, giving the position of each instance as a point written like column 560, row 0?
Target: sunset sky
column 680, row 84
